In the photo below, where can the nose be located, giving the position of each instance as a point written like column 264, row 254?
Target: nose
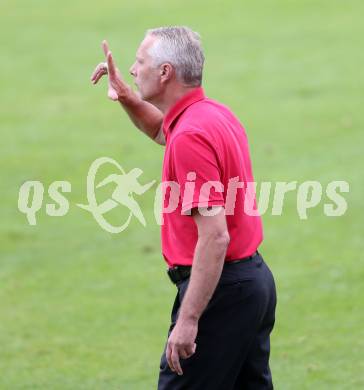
column 132, row 70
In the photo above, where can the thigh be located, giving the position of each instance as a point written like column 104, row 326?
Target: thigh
column 226, row 331
column 255, row 373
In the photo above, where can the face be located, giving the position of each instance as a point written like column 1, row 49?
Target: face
column 146, row 75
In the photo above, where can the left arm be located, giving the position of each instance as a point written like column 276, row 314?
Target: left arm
column 209, row 256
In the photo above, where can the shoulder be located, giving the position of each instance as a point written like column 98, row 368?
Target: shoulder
column 210, row 115
column 191, row 137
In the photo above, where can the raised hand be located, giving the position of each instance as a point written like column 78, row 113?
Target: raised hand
column 117, row 88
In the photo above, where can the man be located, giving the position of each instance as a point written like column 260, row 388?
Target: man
column 225, row 305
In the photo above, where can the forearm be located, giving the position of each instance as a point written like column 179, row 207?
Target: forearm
column 144, row 115
column 206, row 271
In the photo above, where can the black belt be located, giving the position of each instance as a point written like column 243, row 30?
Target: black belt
column 181, row 272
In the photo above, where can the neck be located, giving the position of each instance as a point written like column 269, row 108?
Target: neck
column 171, row 97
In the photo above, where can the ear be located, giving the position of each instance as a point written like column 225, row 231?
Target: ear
column 166, row 72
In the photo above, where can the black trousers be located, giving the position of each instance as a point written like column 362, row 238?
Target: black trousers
column 233, row 344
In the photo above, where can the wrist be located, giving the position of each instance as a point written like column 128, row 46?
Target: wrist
column 186, row 317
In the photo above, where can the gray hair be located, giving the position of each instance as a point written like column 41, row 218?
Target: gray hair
column 181, row 47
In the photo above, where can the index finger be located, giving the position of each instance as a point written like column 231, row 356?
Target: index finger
column 105, row 47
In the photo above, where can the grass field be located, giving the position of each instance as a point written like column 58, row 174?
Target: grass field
column 76, row 312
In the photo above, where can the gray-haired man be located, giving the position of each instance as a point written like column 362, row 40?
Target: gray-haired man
column 225, row 305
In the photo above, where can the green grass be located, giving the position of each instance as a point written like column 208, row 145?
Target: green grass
column 84, row 309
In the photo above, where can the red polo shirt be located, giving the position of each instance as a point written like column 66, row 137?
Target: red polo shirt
column 206, row 150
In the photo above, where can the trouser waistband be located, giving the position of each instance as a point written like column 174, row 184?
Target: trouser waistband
column 181, row 272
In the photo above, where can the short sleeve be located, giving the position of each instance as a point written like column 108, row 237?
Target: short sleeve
column 196, row 168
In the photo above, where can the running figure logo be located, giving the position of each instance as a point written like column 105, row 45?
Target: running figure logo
column 126, row 185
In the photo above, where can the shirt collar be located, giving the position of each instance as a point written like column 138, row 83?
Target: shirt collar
column 177, row 109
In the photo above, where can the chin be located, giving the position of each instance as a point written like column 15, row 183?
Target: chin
column 150, row 96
